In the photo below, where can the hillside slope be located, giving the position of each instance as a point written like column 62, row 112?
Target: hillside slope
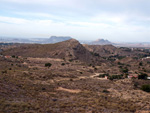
column 103, row 50
column 110, row 50
column 70, row 49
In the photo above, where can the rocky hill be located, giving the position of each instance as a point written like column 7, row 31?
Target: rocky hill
column 112, row 51
column 100, row 42
column 70, row 50
column 55, row 39
column 103, row 50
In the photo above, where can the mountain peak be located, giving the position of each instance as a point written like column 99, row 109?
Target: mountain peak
column 72, row 40
column 101, row 42
column 55, row 39
column 99, row 39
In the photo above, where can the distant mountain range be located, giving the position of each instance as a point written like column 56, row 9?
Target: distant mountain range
column 52, row 39
column 56, row 39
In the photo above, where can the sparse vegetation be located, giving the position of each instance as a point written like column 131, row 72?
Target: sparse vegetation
column 124, row 70
column 140, row 64
column 30, row 87
column 70, row 60
column 81, row 72
column 103, row 75
column 146, row 88
column 62, row 64
column 13, row 56
column 120, row 63
column 121, row 57
column 115, row 77
column 48, row 65
column 105, row 91
column 96, row 54
column 142, row 76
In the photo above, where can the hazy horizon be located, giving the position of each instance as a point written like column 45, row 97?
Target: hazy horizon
column 90, row 40
column 114, row 20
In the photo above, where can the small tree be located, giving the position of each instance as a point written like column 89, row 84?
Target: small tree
column 48, row 65
column 13, row 56
column 81, row 72
column 96, row 54
column 146, row 88
column 125, row 70
column 103, row 75
column 63, row 64
column 140, row 64
column 142, row 76
column 115, row 77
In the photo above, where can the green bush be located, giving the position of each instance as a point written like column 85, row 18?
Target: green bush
column 90, row 64
column 142, row 76
column 81, row 72
column 121, row 57
column 103, row 75
column 96, row 54
column 105, row 91
column 115, row 77
column 119, row 63
column 63, row 64
column 70, row 55
column 48, row 65
column 95, row 68
column 70, row 60
column 146, row 88
column 125, row 70
column 140, row 64
column 13, row 56
column 4, row 71
column 136, row 58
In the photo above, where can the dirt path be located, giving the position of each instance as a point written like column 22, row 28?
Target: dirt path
column 45, row 59
column 95, row 76
column 69, row 90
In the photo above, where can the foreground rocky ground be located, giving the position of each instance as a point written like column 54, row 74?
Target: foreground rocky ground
column 26, row 85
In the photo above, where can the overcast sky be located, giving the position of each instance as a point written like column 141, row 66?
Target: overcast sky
column 115, row 20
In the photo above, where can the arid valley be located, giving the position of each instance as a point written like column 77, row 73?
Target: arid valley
column 69, row 77
column 74, row 56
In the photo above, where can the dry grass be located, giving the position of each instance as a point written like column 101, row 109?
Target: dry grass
column 69, row 90
column 26, row 85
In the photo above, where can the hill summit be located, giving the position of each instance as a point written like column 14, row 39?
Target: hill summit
column 70, row 50
column 55, row 39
